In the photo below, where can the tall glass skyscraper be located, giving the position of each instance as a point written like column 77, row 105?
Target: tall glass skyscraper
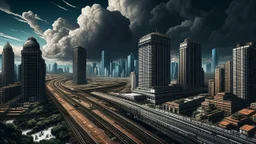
column 102, row 69
column 174, row 70
column 214, row 60
column 79, row 65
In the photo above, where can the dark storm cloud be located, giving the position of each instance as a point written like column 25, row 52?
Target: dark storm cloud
column 99, row 29
column 118, row 28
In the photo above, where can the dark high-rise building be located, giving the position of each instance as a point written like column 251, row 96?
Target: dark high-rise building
column 55, row 68
column 33, row 71
column 190, row 65
column 7, row 65
column 214, row 60
column 154, row 61
column 244, row 71
column 79, row 65
column 130, row 64
column 49, row 68
column 174, row 70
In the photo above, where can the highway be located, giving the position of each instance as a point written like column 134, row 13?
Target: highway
column 193, row 131
column 125, row 131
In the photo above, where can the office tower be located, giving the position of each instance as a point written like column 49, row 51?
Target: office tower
column 133, row 81
column 117, row 71
column 122, row 67
column 229, row 76
column 19, row 72
column 219, row 79
column 244, row 71
column 208, row 68
column 214, row 59
column 89, row 69
column 49, row 68
column 104, row 62
column 67, row 69
column 79, row 65
column 190, row 65
column 130, row 63
column 211, row 87
column 94, row 66
column 55, row 68
column 174, row 71
column 33, row 71
column 110, row 68
column 154, row 61
column 7, row 65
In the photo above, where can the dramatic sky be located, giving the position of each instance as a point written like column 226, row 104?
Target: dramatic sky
column 116, row 25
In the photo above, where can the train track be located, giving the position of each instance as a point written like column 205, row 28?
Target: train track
column 142, row 134
column 81, row 136
column 97, row 120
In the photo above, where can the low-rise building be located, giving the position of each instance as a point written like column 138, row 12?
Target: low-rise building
column 247, row 130
column 184, row 105
column 247, row 112
column 236, row 121
column 9, row 92
column 227, row 102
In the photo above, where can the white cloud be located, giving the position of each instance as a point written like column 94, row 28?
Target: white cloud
column 61, row 7
column 9, row 37
column 69, row 4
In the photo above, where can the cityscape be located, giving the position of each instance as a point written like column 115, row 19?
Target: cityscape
column 128, row 72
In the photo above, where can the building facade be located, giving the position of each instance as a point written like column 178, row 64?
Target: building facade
column 130, row 63
column 154, row 61
column 33, row 71
column 133, row 81
column 211, row 87
column 219, row 80
column 244, row 69
column 174, row 71
column 229, row 76
column 79, row 65
column 7, row 65
column 190, row 65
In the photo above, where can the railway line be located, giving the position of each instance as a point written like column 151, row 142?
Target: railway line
column 98, row 121
column 81, row 136
column 140, row 132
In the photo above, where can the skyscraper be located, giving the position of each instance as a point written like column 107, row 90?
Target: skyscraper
column 104, row 63
column 220, row 79
column 244, row 71
column 190, row 65
column 79, row 65
column 49, row 68
column 214, row 60
column 229, row 76
column 7, row 65
column 211, row 87
column 33, row 70
column 174, row 70
column 133, row 80
column 130, row 63
column 154, row 61
column 55, row 68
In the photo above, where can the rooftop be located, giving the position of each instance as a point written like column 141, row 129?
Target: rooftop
column 247, row 127
column 224, row 123
column 154, row 33
column 246, row 112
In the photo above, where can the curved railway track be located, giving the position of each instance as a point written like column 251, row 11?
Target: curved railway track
column 145, row 136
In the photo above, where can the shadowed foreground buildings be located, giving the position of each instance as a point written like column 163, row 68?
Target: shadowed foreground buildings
column 79, row 65
column 7, row 65
column 244, row 71
column 33, row 70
